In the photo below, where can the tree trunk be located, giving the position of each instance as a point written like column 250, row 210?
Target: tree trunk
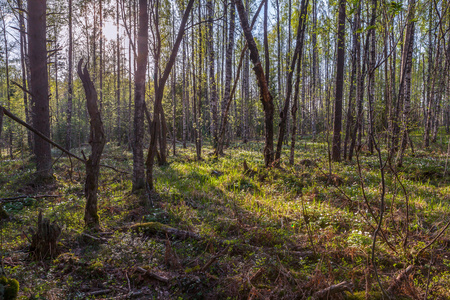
column 360, row 74
column 198, row 140
column 371, row 79
column 97, row 142
column 118, row 100
column 228, row 73
column 265, row 96
column 139, row 98
column 24, row 67
column 294, row 112
column 101, row 55
column 351, row 96
column 336, row 152
column 184, row 92
column 212, row 79
column 70, row 83
column 159, row 96
column 266, row 43
column 39, row 84
column 405, row 79
column 297, row 54
column 230, row 95
column 8, row 92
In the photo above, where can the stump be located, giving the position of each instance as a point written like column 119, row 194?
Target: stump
column 44, row 239
column 9, row 288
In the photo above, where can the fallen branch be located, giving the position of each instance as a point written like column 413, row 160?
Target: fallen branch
column 152, row 228
column 38, row 133
column 13, row 199
column 153, row 275
column 257, row 274
column 42, row 136
column 333, row 289
column 100, row 239
column 213, row 259
column 399, row 279
column 433, row 240
column 98, row 293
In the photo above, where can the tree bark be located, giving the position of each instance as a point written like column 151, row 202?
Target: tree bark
column 230, row 95
column 70, row 83
column 351, row 96
column 212, row 79
column 294, row 113
column 118, row 100
column 371, row 78
column 8, row 92
column 297, row 55
column 336, row 152
column 159, row 96
column 97, row 142
column 39, row 85
column 265, row 96
column 24, row 67
column 139, row 98
column 228, row 74
column 408, row 46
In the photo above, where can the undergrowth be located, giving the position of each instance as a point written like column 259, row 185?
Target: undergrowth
column 282, row 233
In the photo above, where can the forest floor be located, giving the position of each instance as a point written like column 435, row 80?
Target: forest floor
column 279, row 233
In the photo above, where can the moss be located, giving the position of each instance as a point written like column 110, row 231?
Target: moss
column 361, row 295
column 67, row 257
column 9, row 288
column 190, row 270
column 150, row 227
column 96, row 265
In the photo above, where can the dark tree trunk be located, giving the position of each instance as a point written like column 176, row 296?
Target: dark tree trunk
column 212, row 79
column 230, row 95
column 39, row 84
column 8, row 92
column 70, row 83
column 118, row 74
column 199, row 126
column 1, row 124
column 408, row 46
column 101, row 55
column 351, row 96
column 228, row 75
column 371, row 78
column 297, row 54
column 159, row 96
column 266, row 43
column 265, row 96
column 139, row 98
column 24, row 67
column 294, row 112
column 360, row 74
column 184, row 92
column 97, row 141
column 336, row 152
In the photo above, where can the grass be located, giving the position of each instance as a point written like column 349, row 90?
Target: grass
column 283, row 233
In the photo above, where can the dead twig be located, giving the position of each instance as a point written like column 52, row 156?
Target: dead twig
column 45, row 138
column 213, row 259
column 98, row 293
column 333, row 289
column 399, row 279
column 13, row 199
column 153, row 275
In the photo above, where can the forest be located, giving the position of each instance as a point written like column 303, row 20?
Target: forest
column 224, row 149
